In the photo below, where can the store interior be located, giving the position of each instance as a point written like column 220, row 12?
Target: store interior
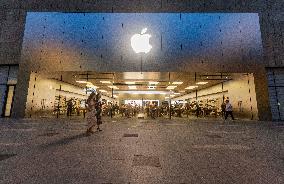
column 142, row 94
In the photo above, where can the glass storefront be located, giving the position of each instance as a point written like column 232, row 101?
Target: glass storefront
column 8, row 81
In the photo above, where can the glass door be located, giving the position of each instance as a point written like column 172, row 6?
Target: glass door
column 2, row 98
column 9, row 101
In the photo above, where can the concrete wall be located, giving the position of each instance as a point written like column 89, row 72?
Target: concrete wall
column 276, row 92
column 242, row 88
column 12, row 18
column 52, row 42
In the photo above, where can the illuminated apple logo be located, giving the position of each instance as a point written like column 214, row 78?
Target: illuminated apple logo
column 140, row 42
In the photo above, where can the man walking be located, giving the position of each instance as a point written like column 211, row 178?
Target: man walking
column 69, row 107
column 223, row 110
column 229, row 110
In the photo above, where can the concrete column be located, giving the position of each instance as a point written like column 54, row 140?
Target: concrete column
column 21, row 92
column 262, row 96
column 12, row 25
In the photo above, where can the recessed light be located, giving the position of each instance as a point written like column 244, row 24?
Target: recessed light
column 82, row 82
column 91, row 86
column 177, row 83
column 171, row 87
column 201, row 83
column 153, row 83
column 105, row 82
column 191, row 87
column 132, row 87
column 113, row 87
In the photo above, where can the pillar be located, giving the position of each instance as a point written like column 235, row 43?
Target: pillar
column 21, row 92
column 262, row 95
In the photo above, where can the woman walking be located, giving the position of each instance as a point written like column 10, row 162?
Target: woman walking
column 91, row 115
column 98, row 107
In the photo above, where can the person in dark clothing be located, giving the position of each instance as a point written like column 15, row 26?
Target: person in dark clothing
column 197, row 109
column 98, row 106
column 69, row 107
column 229, row 110
column 223, row 110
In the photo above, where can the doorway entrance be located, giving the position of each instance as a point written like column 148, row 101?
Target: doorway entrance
column 126, row 94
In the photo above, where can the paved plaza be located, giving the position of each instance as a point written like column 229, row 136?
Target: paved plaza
column 48, row 151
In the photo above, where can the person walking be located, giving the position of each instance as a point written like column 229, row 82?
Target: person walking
column 198, row 109
column 69, row 107
column 229, row 110
column 91, row 112
column 98, row 107
column 223, row 109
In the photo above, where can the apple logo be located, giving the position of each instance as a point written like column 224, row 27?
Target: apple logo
column 140, row 42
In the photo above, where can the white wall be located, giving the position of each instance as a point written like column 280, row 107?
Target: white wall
column 41, row 88
column 238, row 89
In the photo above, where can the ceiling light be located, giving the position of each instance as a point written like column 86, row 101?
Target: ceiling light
column 171, row 87
column 132, row 87
column 172, row 95
column 166, row 97
column 176, row 93
column 182, row 91
column 105, row 82
column 82, row 82
column 191, row 87
column 113, row 87
column 138, row 92
column 202, row 83
column 91, row 86
column 177, row 83
column 129, row 82
column 115, row 96
column 153, row 83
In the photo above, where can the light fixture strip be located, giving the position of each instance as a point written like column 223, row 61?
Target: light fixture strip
column 105, row 82
column 177, row 83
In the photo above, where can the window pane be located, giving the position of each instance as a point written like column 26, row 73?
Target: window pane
column 2, row 97
column 3, row 74
column 9, row 100
column 13, row 73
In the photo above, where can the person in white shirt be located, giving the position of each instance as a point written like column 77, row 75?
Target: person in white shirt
column 229, row 110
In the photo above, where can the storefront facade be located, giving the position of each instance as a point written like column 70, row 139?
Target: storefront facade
column 266, row 65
